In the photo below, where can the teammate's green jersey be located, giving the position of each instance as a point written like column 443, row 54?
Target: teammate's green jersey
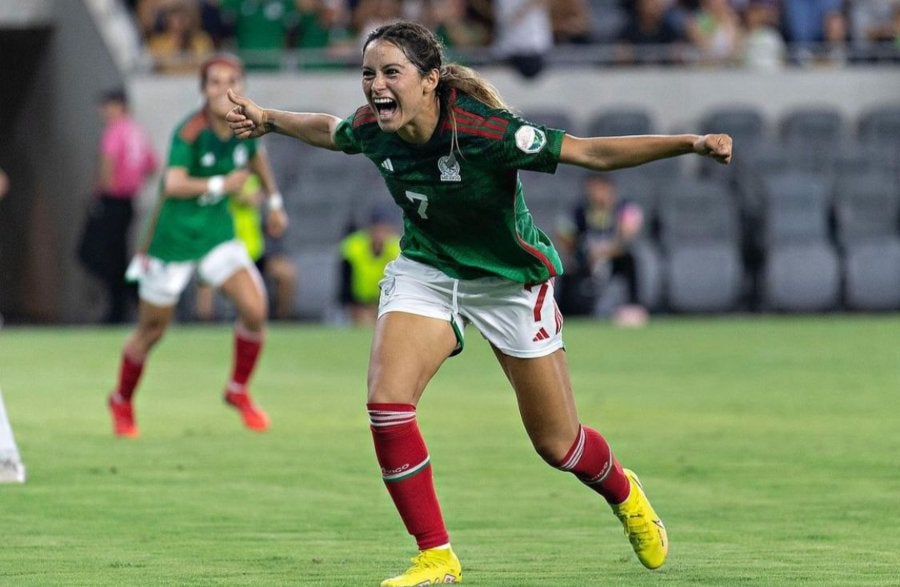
column 188, row 228
column 463, row 208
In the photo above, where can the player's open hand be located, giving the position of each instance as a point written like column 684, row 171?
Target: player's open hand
column 246, row 119
column 717, row 146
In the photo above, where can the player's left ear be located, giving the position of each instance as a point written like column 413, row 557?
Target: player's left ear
column 430, row 81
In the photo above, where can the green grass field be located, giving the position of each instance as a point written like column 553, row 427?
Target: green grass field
column 769, row 446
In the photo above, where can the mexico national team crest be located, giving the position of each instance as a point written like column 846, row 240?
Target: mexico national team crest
column 530, row 139
column 449, row 167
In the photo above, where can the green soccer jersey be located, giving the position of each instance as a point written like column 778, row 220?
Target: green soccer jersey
column 188, row 228
column 463, row 207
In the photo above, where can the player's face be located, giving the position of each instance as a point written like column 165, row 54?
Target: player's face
column 403, row 99
column 219, row 78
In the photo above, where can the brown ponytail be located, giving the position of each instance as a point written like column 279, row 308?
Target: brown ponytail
column 466, row 80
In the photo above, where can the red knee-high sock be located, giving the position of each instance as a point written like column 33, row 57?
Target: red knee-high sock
column 247, row 346
column 591, row 460
column 129, row 374
column 406, row 470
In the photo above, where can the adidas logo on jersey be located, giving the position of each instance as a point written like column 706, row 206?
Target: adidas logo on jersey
column 386, row 164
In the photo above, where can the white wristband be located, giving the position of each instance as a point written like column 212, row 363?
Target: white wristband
column 276, row 202
column 215, row 185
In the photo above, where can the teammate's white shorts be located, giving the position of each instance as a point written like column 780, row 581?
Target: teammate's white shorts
column 161, row 283
column 520, row 320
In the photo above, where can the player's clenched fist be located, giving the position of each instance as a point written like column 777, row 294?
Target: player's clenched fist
column 717, row 146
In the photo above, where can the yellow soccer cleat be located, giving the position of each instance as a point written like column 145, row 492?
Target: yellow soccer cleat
column 643, row 527
column 435, row 566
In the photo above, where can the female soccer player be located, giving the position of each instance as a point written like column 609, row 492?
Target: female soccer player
column 193, row 231
column 449, row 150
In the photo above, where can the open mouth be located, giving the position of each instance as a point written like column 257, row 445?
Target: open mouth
column 385, row 107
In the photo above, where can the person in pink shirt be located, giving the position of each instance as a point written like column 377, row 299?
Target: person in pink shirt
column 126, row 160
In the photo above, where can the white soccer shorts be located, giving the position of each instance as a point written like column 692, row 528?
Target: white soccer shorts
column 161, row 283
column 520, row 320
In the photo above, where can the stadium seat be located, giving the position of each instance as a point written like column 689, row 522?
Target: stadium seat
column 745, row 124
column 880, row 125
column 620, row 120
column 878, row 130
column 813, row 125
column 796, row 208
column 872, row 275
column 700, row 238
column 801, row 270
column 696, row 211
column 704, row 278
column 866, row 207
column 318, row 284
column 551, row 118
column 801, row 277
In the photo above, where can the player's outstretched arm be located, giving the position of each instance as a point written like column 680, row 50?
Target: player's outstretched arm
column 609, row 153
column 248, row 120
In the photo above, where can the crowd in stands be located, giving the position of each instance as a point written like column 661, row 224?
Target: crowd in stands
column 727, row 33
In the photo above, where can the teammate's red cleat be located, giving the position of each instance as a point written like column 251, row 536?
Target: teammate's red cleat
column 123, row 417
column 254, row 418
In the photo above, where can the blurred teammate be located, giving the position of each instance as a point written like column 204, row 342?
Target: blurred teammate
column 449, row 151
column 193, row 231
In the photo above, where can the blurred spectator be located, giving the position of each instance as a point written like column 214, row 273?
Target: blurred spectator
column 764, row 47
column 715, row 29
column 804, row 23
column 213, row 23
column 126, row 160
column 325, row 25
column 449, row 20
column 874, row 22
column 653, row 28
column 371, row 14
column 150, row 16
column 523, row 34
column 262, row 28
column 364, row 255
column 836, row 37
column 181, row 45
column 596, row 245
column 316, row 19
column 571, row 21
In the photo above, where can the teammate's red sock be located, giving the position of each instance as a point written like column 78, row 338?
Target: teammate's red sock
column 247, row 346
column 591, row 460
column 130, row 371
column 406, row 470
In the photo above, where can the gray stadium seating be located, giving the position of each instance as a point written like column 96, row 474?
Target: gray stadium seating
column 872, row 275
column 620, row 120
column 866, row 207
column 801, row 270
column 318, row 284
column 551, row 118
column 801, row 277
column 796, row 208
column 700, row 239
column 812, row 125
